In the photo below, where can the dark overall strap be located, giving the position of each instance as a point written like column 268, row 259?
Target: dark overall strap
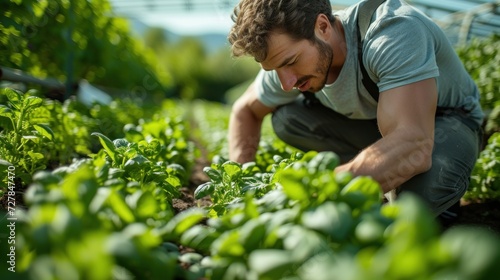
column 365, row 14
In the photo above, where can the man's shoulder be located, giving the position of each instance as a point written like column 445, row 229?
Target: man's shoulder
column 400, row 11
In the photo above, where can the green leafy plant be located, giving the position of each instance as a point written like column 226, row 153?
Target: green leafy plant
column 82, row 206
column 230, row 181
column 23, row 139
column 485, row 179
column 481, row 58
column 317, row 224
column 138, row 162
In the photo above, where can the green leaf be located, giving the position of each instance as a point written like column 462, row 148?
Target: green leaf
column 155, row 146
column 232, row 169
column 413, row 217
column 283, row 217
column 369, row 231
column 35, row 156
column 5, row 111
column 147, row 206
column 181, row 222
column 271, row 263
column 249, row 168
column 476, row 251
column 120, row 143
column 361, row 192
column 144, row 204
column 45, row 131
column 228, row 245
column 323, row 161
column 14, row 97
column 330, row 218
column 80, row 184
column 32, row 138
column 190, row 258
column 32, row 102
column 117, row 203
column 213, row 174
column 304, row 243
column 99, row 200
column 252, row 233
column 204, row 190
column 5, row 163
column 291, row 180
column 177, row 170
column 107, row 144
column 198, row 237
column 174, row 181
column 135, row 163
column 46, row 178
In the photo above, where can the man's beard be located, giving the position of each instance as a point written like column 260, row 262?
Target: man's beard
column 325, row 57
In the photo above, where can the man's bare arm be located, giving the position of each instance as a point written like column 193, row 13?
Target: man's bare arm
column 245, row 126
column 406, row 118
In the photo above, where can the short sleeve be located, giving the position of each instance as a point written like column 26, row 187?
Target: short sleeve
column 400, row 51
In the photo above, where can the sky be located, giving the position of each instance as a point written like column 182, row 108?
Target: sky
column 207, row 17
column 193, row 23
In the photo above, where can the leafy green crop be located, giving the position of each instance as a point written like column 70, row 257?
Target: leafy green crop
column 23, row 139
column 229, row 181
column 109, row 214
column 315, row 224
column 481, row 58
column 485, row 179
column 91, row 222
column 138, row 162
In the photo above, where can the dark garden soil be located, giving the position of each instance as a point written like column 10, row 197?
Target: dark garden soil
column 484, row 214
column 187, row 199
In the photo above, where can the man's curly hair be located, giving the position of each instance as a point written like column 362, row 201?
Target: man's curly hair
column 254, row 19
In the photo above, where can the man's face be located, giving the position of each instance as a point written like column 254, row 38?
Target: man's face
column 300, row 64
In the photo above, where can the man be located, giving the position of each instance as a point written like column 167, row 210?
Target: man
column 419, row 133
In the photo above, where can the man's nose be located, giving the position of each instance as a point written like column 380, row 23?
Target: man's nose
column 287, row 79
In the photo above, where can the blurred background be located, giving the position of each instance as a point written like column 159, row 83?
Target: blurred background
column 153, row 49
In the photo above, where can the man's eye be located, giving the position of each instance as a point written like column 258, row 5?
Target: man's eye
column 292, row 63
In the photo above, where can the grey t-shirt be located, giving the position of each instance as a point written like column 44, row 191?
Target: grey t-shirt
column 401, row 46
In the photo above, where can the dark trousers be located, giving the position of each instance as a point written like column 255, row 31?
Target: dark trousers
column 456, row 147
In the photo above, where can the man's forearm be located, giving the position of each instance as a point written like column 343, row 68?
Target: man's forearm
column 393, row 160
column 244, row 137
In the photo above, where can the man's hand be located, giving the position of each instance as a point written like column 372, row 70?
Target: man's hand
column 245, row 126
column 406, row 118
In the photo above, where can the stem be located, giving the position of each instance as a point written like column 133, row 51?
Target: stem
column 20, row 146
column 143, row 177
column 19, row 127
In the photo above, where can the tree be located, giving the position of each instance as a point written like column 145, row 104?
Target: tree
column 72, row 40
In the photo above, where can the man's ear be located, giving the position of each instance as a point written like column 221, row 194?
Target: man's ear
column 322, row 27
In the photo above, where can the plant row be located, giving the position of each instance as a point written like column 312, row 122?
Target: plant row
column 300, row 220
column 107, row 211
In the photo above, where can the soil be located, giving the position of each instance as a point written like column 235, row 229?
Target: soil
column 480, row 213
